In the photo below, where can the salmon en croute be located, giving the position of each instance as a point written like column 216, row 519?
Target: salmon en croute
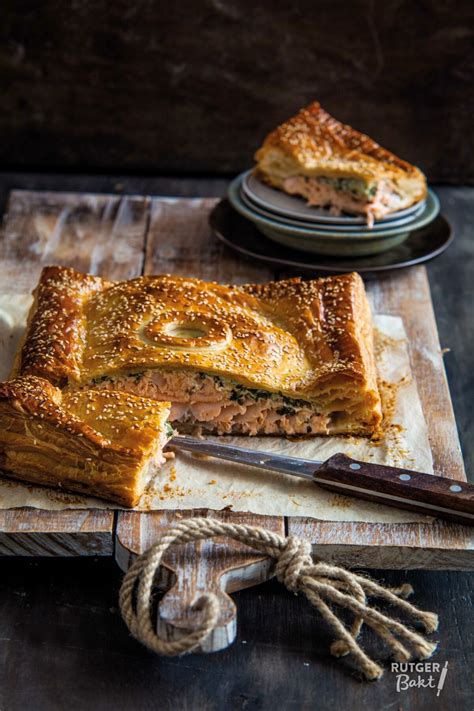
column 283, row 358
column 332, row 165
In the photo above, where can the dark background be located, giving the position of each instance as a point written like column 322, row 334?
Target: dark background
column 193, row 86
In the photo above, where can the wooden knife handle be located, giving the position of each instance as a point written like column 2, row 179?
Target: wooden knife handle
column 425, row 493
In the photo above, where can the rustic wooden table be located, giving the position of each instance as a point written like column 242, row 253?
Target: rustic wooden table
column 64, row 644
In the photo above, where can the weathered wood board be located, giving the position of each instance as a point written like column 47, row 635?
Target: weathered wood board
column 120, row 237
column 97, row 233
column 433, row 546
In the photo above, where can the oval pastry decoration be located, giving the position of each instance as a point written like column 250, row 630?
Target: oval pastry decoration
column 187, row 330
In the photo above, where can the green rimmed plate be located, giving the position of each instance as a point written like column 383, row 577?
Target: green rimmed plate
column 334, row 242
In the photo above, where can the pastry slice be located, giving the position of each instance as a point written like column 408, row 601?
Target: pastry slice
column 282, row 358
column 332, row 165
column 97, row 442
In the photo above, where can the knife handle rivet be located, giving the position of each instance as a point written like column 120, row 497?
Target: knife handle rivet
column 354, row 465
column 456, row 488
column 405, row 477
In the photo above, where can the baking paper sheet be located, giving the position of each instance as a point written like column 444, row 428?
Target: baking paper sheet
column 190, row 481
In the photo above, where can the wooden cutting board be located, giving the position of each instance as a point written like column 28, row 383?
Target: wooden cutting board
column 120, row 237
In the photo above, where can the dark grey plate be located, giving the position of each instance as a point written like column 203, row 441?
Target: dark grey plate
column 242, row 236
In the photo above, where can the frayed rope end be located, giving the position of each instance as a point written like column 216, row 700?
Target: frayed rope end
column 425, row 650
column 430, row 621
column 339, row 648
column 372, row 672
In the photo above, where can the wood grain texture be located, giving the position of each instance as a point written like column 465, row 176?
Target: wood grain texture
column 64, row 644
column 411, row 490
column 407, row 294
column 55, row 533
column 179, row 241
column 108, row 234
column 218, row 566
column 195, row 86
column 99, row 234
column 96, row 233
column 190, row 250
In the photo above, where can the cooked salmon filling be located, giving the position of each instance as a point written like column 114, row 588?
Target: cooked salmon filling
column 220, row 406
column 346, row 195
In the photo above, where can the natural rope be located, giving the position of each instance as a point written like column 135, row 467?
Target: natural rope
column 326, row 586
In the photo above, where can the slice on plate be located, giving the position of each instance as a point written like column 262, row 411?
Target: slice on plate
column 332, row 165
column 96, row 442
column 282, row 358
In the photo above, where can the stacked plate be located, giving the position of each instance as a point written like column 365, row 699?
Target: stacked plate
column 288, row 220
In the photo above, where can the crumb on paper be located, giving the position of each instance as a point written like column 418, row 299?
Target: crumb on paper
column 340, row 501
column 200, row 455
column 244, row 494
column 213, row 481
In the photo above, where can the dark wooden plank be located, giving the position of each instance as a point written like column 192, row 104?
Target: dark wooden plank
column 65, row 646
column 196, row 87
column 452, row 289
column 29, row 532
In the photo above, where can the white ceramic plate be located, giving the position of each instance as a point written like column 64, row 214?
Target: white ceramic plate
column 296, row 208
column 376, row 229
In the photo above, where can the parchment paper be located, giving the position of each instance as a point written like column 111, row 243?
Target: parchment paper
column 189, row 481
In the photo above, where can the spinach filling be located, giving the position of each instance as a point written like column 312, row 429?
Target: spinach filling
column 110, row 378
column 101, row 379
column 355, row 186
column 240, row 394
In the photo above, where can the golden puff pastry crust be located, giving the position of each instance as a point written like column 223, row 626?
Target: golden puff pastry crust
column 313, row 144
column 308, row 340
column 97, row 442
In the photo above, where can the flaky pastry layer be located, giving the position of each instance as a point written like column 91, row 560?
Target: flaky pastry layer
column 97, row 442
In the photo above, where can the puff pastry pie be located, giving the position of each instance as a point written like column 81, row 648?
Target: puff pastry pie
column 333, row 165
column 97, row 442
column 289, row 357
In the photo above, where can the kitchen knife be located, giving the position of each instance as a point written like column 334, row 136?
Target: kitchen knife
column 424, row 493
